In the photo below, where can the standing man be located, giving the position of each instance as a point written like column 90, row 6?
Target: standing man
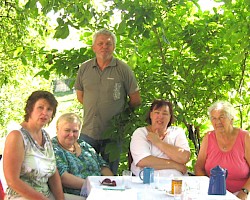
column 103, row 85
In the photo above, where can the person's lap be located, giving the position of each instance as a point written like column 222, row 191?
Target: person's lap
column 51, row 197
column 73, row 197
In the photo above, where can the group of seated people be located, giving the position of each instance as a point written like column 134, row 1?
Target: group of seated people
column 36, row 168
column 165, row 148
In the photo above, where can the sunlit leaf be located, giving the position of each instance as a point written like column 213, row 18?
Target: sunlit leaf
column 31, row 4
column 62, row 32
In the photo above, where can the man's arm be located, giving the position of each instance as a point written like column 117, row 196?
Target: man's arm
column 134, row 99
column 79, row 95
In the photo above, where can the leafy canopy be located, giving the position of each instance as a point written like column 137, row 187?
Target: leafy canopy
column 177, row 51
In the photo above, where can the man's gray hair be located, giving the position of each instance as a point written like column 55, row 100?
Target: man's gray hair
column 104, row 32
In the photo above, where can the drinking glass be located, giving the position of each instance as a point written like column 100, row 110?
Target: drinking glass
column 156, row 180
column 193, row 190
column 177, row 192
column 127, row 178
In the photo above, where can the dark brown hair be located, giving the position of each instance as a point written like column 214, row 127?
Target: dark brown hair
column 34, row 97
column 158, row 103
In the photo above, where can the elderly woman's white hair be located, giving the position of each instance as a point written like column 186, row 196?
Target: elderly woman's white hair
column 223, row 106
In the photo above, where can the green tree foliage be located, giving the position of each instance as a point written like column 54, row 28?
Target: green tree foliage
column 178, row 52
column 22, row 32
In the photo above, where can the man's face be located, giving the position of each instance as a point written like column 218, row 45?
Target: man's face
column 103, row 47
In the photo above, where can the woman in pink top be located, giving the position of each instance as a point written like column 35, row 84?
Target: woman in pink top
column 226, row 146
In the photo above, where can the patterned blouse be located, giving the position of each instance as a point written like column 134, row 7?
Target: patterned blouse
column 38, row 166
column 88, row 163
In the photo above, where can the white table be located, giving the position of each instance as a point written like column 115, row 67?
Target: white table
column 140, row 191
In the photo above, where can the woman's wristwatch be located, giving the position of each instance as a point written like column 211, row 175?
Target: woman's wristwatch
column 245, row 190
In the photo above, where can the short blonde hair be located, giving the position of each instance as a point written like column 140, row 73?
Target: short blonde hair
column 69, row 117
column 224, row 106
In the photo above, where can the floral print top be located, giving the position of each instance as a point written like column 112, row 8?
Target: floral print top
column 88, row 163
column 38, row 166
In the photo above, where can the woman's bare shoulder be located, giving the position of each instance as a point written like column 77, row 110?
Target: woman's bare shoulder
column 14, row 136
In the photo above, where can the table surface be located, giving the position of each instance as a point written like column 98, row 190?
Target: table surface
column 197, row 187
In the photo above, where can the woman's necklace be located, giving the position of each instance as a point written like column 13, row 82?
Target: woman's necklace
column 227, row 143
column 71, row 151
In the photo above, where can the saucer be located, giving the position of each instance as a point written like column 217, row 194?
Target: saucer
column 169, row 193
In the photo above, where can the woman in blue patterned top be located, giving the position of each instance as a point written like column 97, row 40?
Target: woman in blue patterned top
column 76, row 159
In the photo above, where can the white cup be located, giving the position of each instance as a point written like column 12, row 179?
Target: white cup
column 127, row 178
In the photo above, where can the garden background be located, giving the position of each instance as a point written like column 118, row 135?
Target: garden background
column 177, row 50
